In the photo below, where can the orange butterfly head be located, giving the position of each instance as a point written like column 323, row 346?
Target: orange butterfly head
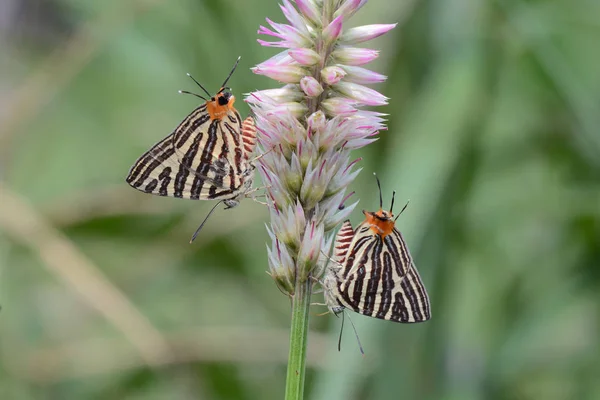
column 381, row 222
column 221, row 104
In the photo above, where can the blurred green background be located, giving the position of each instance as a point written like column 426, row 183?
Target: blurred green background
column 493, row 135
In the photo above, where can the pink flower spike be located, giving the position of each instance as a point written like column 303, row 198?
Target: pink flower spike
column 333, row 30
column 366, row 32
column 354, row 55
column 363, row 75
column 303, row 56
column 311, row 86
column 332, row 75
column 307, row 7
column 281, row 73
column 308, row 126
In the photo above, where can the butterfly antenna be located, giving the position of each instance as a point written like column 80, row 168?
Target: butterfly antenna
column 401, row 211
column 198, row 83
column 341, row 330
column 203, row 222
column 393, row 197
column 356, row 334
column 231, row 73
column 379, row 186
column 193, row 94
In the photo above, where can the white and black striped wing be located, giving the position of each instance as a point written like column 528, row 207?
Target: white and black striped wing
column 379, row 279
column 201, row 159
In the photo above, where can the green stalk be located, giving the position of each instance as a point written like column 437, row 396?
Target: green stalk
column 294, row 386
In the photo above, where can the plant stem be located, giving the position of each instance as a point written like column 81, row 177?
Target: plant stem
column 294, row 387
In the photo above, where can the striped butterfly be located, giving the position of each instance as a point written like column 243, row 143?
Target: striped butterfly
column 373, row 273
column 207, row 157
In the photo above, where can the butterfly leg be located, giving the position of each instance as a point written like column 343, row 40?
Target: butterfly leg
column 255, row 159
column 251, row 192
column 259, row 202
column 316, row 280
column 332, row 260
column 323, row 313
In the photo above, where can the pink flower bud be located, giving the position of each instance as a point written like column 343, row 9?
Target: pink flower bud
column 308, row 8
column 361, row 94
column 316, row 122
column 294, row 17
column 332, row 75
column 310, row 249
column 362, row 75
column 281, row 264
column 366, row 32
column 287, row 109
column 333, row 30
column 281, row 73
column 288, row 93
column 311, row 86
column 349, row 7
column 339, row 106
column 282, row 58
column 303, row 56
column 354, row 55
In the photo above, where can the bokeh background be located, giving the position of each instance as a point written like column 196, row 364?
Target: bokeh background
column 493, row 136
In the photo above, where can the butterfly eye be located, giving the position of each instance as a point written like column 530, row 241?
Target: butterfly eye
column 224, row 99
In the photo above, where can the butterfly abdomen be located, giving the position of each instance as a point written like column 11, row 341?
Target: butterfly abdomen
column 248, row 137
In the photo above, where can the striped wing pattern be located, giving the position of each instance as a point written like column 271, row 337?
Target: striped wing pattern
column 204, row 158
column 375, row 276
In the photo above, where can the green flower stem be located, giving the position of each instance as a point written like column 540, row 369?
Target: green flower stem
column 294, row 387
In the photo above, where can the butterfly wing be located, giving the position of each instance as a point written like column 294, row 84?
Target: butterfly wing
column 350, row 246
column 195, row 161
column 235, row 145
column 379, row 278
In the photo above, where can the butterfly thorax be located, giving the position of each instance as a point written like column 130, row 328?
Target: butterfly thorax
column 220, row 105
column 380, row 222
